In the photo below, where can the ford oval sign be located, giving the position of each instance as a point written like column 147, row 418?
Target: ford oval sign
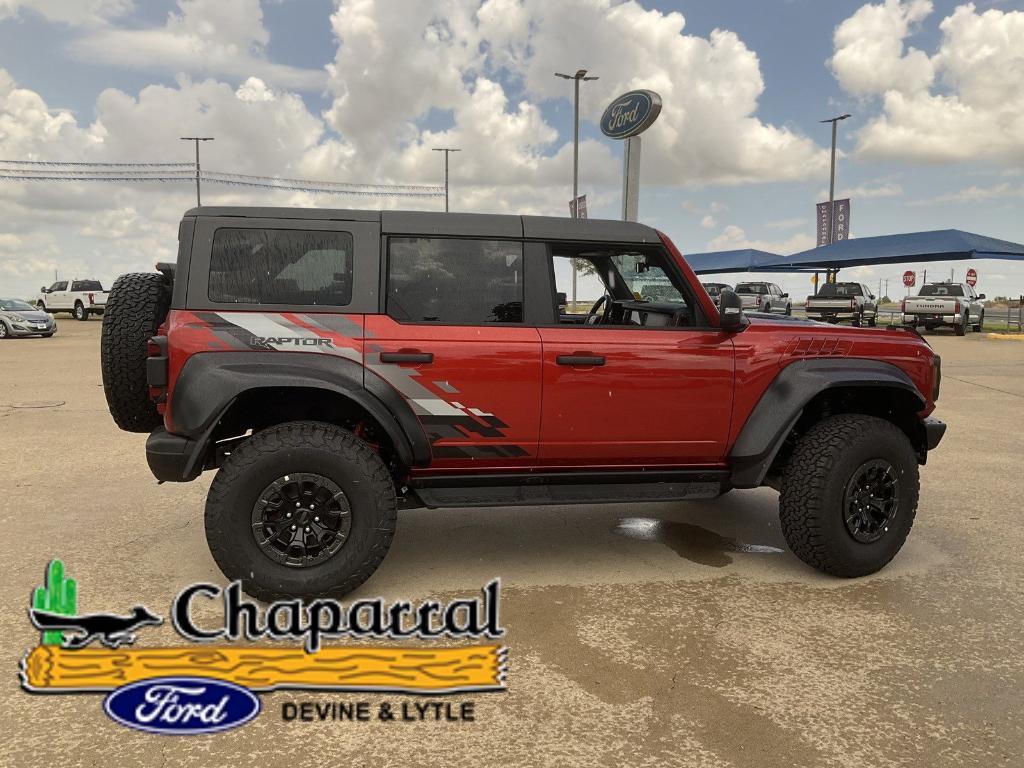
column 182, row 705
column 630, row 114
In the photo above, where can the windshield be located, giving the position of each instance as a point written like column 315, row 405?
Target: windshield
column 840, row 289
column 15, row 305
column 645, row 279
column 751, row 288
column 942, row 289
column 714, row 289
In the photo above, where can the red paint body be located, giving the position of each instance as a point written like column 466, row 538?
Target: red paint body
column 667, row 397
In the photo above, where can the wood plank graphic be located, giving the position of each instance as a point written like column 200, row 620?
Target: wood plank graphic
column 50, row 668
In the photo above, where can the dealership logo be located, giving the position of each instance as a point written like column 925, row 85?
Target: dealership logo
column 630, row 114
column 190, row 689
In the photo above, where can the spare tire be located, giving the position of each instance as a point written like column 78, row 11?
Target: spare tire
column 136, row 306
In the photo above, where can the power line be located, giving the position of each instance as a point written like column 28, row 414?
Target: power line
column 102, row 165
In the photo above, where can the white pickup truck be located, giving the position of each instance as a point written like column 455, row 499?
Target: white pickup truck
column 79, row 297
column 843, row 301
column 955, row 304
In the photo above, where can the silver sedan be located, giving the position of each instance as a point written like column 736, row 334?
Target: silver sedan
column 19, row 318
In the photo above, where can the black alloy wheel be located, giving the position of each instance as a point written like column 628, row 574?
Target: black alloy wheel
column 871, row 500
column 301, row 519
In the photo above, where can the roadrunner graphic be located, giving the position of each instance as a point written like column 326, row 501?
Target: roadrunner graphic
column 111, row 630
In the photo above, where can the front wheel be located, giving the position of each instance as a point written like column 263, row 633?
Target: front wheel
column 981, row 322
column 849, row 495
column 873, row 320
column 4, row 333
column 301, row 509
column 789, row 310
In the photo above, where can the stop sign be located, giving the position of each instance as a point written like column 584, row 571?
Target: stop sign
column 972, row 277
column 909, row 278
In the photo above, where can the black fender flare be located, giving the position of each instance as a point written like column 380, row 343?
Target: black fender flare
column 210, row 382
column 784, row 400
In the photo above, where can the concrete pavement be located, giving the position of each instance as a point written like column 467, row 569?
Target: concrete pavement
column 648, row 635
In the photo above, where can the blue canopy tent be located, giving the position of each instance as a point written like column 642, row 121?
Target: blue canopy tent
column 742, row 260
column 938, row 245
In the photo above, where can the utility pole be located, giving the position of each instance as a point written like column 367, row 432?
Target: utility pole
column 197, row 139
column 832, row 182
column 446, row 150
column 581, row 74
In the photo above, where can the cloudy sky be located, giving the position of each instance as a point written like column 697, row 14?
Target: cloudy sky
column 361, row 90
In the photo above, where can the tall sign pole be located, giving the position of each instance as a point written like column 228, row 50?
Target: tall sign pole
column 626, row 118
column 832, row 188
column 446, row 151
column 581, row 74
column 197, row 139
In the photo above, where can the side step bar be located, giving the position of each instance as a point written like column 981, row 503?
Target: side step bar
column 529, row 489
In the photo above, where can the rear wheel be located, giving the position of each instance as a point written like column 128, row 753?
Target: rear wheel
column 856, row 321
column 138, row 303
column 960, row 329
column 849, row 495
column 301, row 509
column 873, row 320
column 80, row 312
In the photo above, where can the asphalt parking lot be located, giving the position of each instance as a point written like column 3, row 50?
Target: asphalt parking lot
column 650, row 635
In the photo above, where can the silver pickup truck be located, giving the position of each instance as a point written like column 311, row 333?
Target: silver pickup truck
column 955, row 304
column 843, row 301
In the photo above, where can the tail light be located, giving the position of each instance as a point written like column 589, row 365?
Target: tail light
column 156, row 371
column 956, row 307
column 91, row 299
column 853, row 303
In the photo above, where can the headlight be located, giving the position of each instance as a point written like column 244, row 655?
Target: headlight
column 17, row 318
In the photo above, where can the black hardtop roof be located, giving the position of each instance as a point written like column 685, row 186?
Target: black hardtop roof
column 452, row 224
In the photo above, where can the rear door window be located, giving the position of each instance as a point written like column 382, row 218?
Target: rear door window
column 280, row 266
column 452, row 281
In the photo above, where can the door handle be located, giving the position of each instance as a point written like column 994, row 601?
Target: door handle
column 580, row 359
column 407, row 357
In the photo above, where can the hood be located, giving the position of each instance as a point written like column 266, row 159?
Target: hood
column 33, row 316
column 764, row 318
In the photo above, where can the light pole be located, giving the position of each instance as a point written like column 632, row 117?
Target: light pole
column 832, row 186
column 581, row 74
column 197, row 139
column 446, row 150
column 832, row 179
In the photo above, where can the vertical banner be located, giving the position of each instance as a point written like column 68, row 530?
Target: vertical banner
column 579, row 204
column 841, row 211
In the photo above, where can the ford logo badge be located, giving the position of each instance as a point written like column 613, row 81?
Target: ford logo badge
column 182, row 705
column 630, row 114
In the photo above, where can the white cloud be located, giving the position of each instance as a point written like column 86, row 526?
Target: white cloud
column 453, row 52
column 734, row 237
column 254, row 89
column 865, row 191
column 708, row 221
column 869, row 53
column 74, row 12
column 216, row 37
column 974, row 194
column 965, row 102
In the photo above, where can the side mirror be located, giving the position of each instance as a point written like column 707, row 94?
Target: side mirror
column 785, row 295
column 981, row 295
column 730, row 309
column 44, row 289
column 562, row 299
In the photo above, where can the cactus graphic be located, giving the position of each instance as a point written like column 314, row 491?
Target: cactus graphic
column 58, row 595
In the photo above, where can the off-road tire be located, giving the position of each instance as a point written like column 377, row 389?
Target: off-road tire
column 300, row 446
column 137, row 305
column 80, row 312
column 981, row 321
column 814, row 484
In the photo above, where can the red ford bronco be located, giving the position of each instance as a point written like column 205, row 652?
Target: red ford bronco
column 334, row 365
